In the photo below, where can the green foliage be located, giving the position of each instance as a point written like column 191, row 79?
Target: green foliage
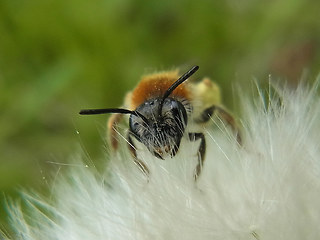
column 57, row 57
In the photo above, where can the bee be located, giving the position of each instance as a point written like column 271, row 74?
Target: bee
column 160, row 108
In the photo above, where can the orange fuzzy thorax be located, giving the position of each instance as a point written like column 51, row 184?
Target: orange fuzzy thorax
column 154, row 86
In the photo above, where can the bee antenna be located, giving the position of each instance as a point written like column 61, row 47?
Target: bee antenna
column 112, row 110
column 183, row 78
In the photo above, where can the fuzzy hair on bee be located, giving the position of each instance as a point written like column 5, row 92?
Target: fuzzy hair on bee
column 163, row 107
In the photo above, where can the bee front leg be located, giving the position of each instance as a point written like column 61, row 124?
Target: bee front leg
column 141, row 165
column 201, row 152
column 224, row 115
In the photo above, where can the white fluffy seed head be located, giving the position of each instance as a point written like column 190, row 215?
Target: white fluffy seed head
column 267, row 189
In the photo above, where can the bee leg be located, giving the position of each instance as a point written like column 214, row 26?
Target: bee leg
column 112, row 129
column 141, row 165
column 224, row 115
column 201, row 152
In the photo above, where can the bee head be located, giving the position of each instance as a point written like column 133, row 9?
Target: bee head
column 157, row 123
column 160, row 130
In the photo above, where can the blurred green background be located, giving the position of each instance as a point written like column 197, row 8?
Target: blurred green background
column 57, row 57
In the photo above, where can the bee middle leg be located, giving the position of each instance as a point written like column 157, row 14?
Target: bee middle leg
column 224, row 115
column 141, row 165
column 201, row 152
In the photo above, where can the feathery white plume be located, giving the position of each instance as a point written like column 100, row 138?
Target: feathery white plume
column 267, row 189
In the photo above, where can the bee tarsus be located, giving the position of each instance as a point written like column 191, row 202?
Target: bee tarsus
column 132, row 148
column 201, row 152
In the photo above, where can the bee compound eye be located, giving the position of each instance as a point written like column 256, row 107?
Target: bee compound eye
column 174, row 105
column 133, row 123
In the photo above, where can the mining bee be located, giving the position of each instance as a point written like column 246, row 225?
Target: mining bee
column 161, row 107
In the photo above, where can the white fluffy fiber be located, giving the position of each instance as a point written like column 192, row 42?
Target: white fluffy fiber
column 267, row 189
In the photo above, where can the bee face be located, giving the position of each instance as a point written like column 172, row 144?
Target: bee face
column 162, row 127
